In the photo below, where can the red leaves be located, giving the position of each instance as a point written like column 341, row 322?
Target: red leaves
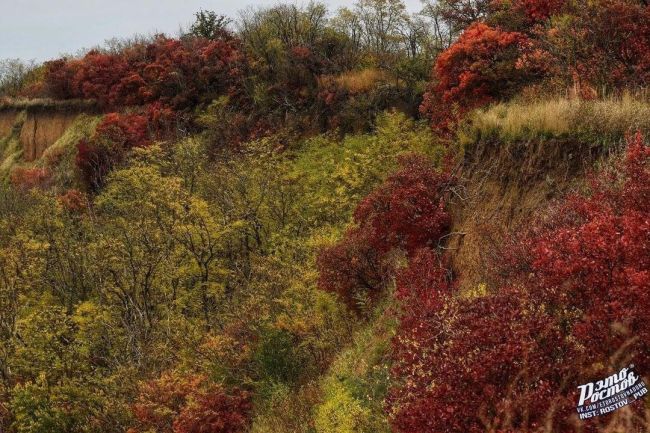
column 473, row 366
column 173, row 404
column 25, row 178
column 214, row 411
column 58, row 78
column 598, row 264
column 576, row 296
column 114, row 136
column 353, row 267
column 176, row 73
column 98, row 74
column 598, row 45
column 477, row 69
column 73, row 201
column 124, row 130
column 405, row 213
column 539, row 10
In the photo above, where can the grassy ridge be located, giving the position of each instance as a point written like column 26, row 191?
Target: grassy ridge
column 603, row 121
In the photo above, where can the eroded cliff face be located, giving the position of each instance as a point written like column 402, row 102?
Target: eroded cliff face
column 37, row 127
column 42, row 129
column 503, row 188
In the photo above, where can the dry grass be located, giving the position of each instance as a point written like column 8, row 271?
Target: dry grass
column 604, row 120
column 362, row 80
column 46, row 103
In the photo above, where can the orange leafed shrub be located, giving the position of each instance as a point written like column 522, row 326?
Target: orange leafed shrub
column 25, row 178
column 189, row 404
column 73, row 200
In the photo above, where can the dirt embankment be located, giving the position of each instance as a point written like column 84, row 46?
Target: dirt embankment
column 503, row 187
column 41, row 130
column 38, row 126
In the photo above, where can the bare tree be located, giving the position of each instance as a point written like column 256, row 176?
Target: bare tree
column 13, row 75
column 440, row 33
column 381, row 21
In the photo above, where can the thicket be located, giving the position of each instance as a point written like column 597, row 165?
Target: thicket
column 570, row 303
column 539, row 47
column 185, row 289
column 247, row 240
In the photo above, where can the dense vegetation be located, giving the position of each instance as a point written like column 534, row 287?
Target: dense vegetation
column 250, row 233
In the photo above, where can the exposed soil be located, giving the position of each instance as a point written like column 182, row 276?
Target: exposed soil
column 40, row 129
column 503, row 187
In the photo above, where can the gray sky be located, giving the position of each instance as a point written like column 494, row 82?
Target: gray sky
column 45, row 29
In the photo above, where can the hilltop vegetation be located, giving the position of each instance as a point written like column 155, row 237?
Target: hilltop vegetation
column 252, row 230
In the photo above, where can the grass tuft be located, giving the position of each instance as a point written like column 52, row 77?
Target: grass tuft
column 602, row 121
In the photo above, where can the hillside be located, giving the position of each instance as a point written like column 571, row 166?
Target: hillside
column 366, row 221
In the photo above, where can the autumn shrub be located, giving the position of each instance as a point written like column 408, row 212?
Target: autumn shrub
column 115, row 135
column 214, row 411
column 574, row 290
column 353, row 269
column 601, row 45
column 58, row 78
column 26, row 178
column 546, row 45
column 536, row 11
column 408, row 210
column 175, row 403
column 405, row 213
column 73, row 200
column 176, row 73
column 477, row 69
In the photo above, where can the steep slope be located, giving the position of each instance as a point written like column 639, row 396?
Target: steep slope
column 519, row 158
column 44, row 137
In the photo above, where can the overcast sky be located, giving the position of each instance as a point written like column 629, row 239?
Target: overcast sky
column 45, row 29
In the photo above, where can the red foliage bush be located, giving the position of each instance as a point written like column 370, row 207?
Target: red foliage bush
column 573, row 308
column 114, row 136
column 97, row 74
column 537, row 11
column 26, row 178
column 176, row 73
column 608, row 44
column 214, row 411
column 406, row 212
column 603, row 45
column 58, row 79
column 125, row 130
column 161, row 400
column 73, row 200
column 477, row 69
column 353, row 267
column 188, row 404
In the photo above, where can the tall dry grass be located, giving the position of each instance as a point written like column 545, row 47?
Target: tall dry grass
column 603, row 120
column 48, row 103
column 360, row 81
